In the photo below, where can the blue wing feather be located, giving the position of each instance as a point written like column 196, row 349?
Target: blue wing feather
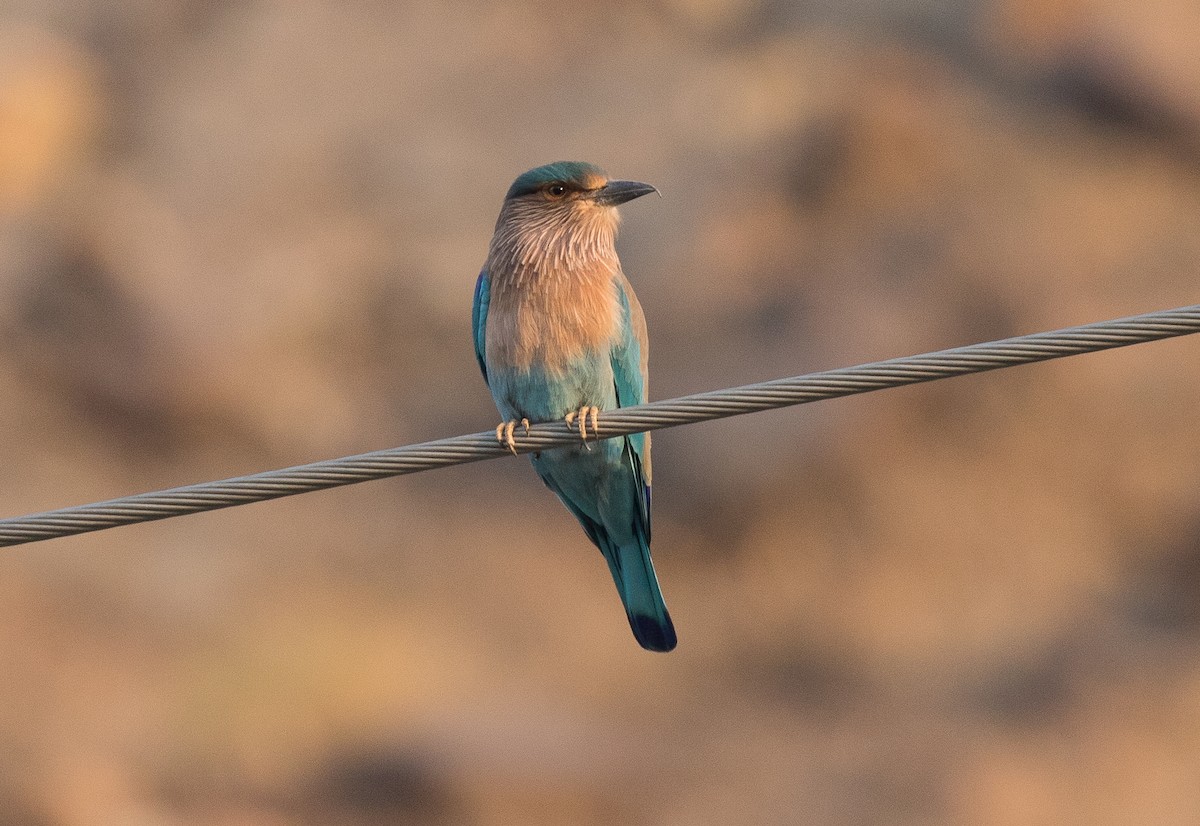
column 479, row 311
column 630, row 386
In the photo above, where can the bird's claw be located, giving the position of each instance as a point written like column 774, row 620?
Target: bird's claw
column 504, row 433
column 585, row 415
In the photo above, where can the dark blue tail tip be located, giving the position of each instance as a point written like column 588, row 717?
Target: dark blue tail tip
column 652, row 633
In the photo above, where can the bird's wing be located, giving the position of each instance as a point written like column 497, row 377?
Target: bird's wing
column 629, row 356
column 479, row 311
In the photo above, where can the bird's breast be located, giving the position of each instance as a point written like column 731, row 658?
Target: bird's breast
column 551, row 321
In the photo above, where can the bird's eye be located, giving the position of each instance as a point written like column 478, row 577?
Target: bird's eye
column 556, row 190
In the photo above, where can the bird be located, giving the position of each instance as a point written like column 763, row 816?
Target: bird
column 560, row 336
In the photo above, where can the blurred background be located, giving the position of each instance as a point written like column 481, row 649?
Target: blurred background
column 238, row 236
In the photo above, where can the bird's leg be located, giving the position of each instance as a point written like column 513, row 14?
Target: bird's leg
column 504, row 433
column 584, row 415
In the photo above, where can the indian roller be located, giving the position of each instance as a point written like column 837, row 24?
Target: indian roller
column 559, row 335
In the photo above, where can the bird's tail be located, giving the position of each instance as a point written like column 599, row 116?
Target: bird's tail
column 633, row 572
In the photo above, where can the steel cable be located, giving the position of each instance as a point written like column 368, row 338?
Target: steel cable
column 716, row 404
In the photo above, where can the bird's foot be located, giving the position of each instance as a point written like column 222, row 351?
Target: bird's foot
column 585, row 415
column 504, row 433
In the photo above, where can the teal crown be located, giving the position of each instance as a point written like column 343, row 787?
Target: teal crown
column 578, row 173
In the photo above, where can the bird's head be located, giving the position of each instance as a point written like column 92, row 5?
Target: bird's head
column 573, row 185
column 561, row 216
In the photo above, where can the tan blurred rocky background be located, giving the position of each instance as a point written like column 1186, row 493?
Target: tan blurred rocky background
column 236, row 236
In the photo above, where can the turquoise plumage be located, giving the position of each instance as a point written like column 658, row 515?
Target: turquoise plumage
column 559, row 335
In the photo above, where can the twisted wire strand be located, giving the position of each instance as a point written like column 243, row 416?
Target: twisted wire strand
column 716, row 404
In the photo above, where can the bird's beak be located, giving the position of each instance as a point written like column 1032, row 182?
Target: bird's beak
column 618, row 192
